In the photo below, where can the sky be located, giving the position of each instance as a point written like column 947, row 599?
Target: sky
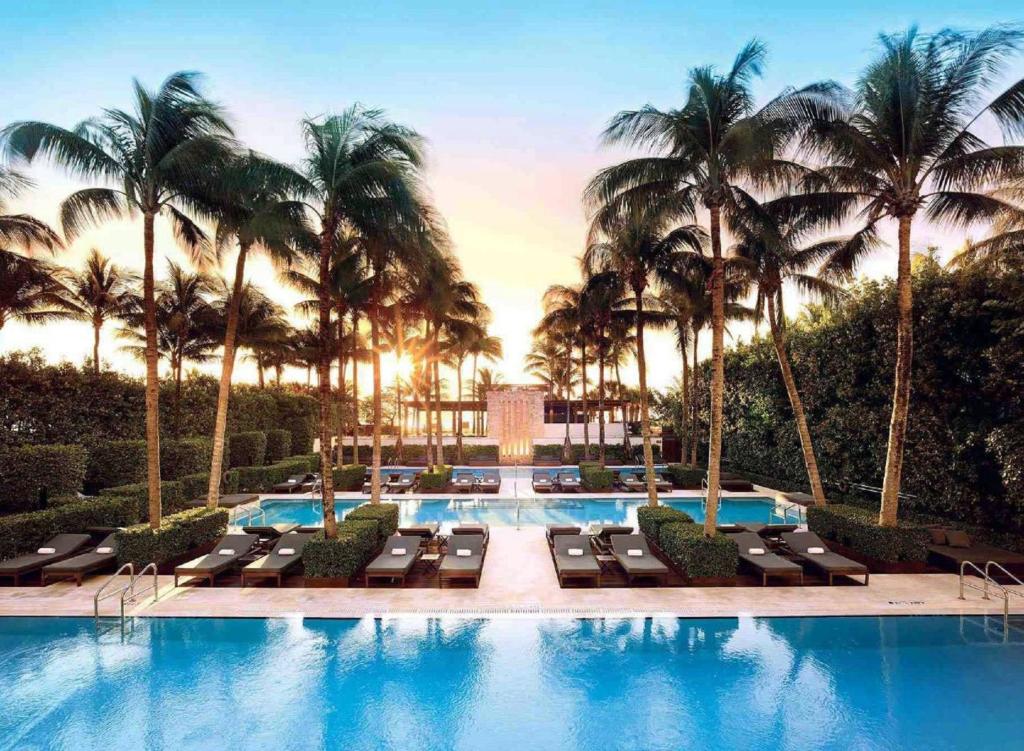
column 511, row 98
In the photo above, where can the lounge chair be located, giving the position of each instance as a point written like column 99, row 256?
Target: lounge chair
column 601, row 535
column 269, row 531
column 734, row 483
column 765, row 563
column 297, row 484
column 490, row 481
column 79, row 566
column 473, row 529
column 399, row 556
column 636, row 558
column 542, row 482
column 951, row 556
column 770, row 531
column 574, row 559
column 285, row 555
column 464, row 482
column 401, row 482
column 829, row 563
column 457, row 565
column 426, row 532
column 631, row 482
column 660, row 483
column 567, row 481
column 63, row 546
column 554, row 530
column 227, row 554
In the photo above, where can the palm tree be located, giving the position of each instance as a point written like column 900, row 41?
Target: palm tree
column 484, row 380
column 600, row 301
column 905, row 142
column 100, row 292
column 634, row 247
column 489, row 347
column 22, row 230
column 715, row 142
column 550, row 360
column 463, row 336
column 621, row 349
column 31, row 291
column 158, row 157
column 359, row 177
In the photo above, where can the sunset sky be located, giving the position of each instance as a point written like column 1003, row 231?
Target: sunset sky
column 512, row 101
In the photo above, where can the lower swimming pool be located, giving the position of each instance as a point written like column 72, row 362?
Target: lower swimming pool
column 506, row 512
column 517, row 683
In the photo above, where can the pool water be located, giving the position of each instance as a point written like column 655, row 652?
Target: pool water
column 534, row 511
column 517, row 683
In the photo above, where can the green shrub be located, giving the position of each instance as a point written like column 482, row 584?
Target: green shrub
column 384, row 514
column 685, row 475
column 21, row 533
column 279, row 445
column 184, row 456
column 596, row 478
column 343, row 556
column 197, row 485
column 247, row 449
column 172, row 497
column 858, row 528
column 615, row 454
column 113, row 463
column 437, row 480
column 178, row 534
column 263, row 479
column 651, row 518
column 696, row 555
column 349, row 478
column 470, row 452
column 313, row 459
column 26, row 471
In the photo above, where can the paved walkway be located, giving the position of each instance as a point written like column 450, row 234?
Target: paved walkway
column 519, row 579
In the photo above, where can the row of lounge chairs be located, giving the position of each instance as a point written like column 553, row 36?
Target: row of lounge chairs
column 463, row 481
column 66, row 556
column 569, row 482
column 463, row 560
column 764, row 548
column 588, row 557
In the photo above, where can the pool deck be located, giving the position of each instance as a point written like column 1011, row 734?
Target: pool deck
column 519, row 579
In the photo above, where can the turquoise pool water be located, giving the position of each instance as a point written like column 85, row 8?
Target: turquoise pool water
column 503, row 512
column 525, row 684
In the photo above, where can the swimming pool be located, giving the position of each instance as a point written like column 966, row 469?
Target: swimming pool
column 533, row 511
column 517, row 683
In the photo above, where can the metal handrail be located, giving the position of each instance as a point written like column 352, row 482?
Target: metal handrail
column 99, row 592
column 987, row 580
column 1003, row 570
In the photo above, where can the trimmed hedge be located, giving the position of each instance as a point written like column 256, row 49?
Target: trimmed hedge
column 262, row 479
column 196, row 485
column 185, row 456
column 247, row 449
column 178, row 534
column 343, row 556
column 697, row 555
column 26, row 471
column 858, row 528
column 614, row 453
column 279, row 445
column 436, row 480
column 651, row 518
column 172, row 497
column 596, row 478
column 113, row 463
column 349, row 478
column 384, row 514
column 469, row 451
column 686, row 475
column 21, row 533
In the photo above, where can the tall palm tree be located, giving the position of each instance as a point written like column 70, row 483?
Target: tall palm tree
column 359, row 174
column 550, row 360
column 488, row 347
column 21, row 230
column 634, row 246
column 463, row 336
column 158, row 157
column 706, row 150
column 600, row 301
column 905, row 143
column 31, row 291
column 621, row 349
column 484, row 380
column 100, row 292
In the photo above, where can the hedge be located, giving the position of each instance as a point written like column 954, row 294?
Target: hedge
column 615, row 453
column 651, row 518
column 685, row 475
column 858, row 528
column 184, row 456
column 172, row 497
column 22, row 533
column 595, row 478
column 384, row 514
column 113, row 463
column 696, row 555
column 263, row 479
column 198, row 484
column 178, row 534
column 437, row 480
column 488, row 452
column 343, row 556
column 247, row 449
column 279, row 445
column 27, row 471
column 349, row 478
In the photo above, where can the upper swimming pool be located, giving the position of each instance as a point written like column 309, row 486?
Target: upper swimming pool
column 519, row 683
column 533, row 511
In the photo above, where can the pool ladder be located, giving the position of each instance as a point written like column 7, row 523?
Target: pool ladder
column 704, row 496
column 250, row 514
column 988, row 582
column 127, row 594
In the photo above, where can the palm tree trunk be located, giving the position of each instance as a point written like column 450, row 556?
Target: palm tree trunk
column 779, row 340
column 97, row 324
column 220, row 421
column 600, row 404
column 684, row 428
column 717, row 372
column 399, row 354
column 355, row 387
column 375, row 360
column 694, row 415
column 586, row 416
column 645, row 417
column 567, row 444
column 477, row 422
column 427, row 379
column 887, row 514
column 339, row 402
column 324, row 385
column 622, row 407
column 458, row 414
column 259, row 372
column 437, row 404
column 152, row 377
